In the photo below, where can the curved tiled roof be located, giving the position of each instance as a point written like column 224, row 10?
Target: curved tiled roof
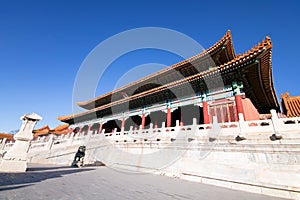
column 41, row 131
column 7, row 136
column 225, row 41
column 262, row 51
column 45, row 130
column 291, row 105
column 62, row 129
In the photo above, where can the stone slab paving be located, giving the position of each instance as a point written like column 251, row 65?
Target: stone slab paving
column 99, row 182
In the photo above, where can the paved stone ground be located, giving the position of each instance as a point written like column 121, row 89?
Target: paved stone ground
column 57, row 182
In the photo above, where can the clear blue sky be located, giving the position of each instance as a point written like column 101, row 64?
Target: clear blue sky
column 43, row 43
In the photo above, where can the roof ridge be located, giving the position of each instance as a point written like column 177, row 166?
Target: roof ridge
column 260, row 45
column 42, row 128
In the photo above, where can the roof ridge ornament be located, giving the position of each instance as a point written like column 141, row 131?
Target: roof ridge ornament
column 285, row 95
column 228, row 33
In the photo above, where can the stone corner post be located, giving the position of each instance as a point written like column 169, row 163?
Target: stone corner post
column 15, row 160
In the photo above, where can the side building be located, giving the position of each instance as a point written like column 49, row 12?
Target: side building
column 290, row 105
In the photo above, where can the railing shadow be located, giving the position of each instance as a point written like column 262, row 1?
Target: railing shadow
column 32, row 169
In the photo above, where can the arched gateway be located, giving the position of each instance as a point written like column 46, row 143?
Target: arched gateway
column 247, row 89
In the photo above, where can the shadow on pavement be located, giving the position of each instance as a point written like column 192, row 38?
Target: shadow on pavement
column 34, row 175
column 14, row 187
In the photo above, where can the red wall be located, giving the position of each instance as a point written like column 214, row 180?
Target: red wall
column 250, row 112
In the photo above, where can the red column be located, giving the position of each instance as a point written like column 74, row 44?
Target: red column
column 143, row 121
column 100, row 128
column 228, row 113
column 89, row 128
column 239, row 105
column 123, row 123
column 169, row 117
column 205, row 113
column 70, row 130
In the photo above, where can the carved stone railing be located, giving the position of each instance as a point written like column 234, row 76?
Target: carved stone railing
column 245, row 129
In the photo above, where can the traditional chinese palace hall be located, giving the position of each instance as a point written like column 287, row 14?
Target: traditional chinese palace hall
column 216, row 82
